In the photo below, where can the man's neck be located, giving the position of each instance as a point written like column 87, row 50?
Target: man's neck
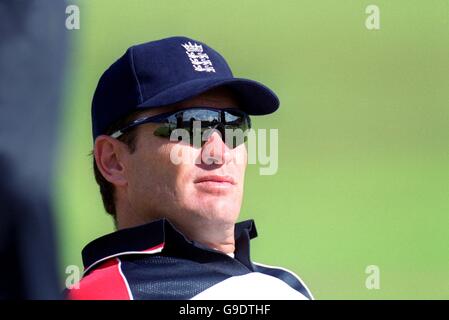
column 218, row 236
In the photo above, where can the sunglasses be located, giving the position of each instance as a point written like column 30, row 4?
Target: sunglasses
column 198, row 121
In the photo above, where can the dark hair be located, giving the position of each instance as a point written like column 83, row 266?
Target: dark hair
column 107, row 189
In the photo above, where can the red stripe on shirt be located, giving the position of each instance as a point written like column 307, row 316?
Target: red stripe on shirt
column 103, row 283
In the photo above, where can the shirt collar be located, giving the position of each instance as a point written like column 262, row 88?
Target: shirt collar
column 162, row 236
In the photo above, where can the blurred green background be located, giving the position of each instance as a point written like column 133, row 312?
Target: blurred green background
column 363, row 173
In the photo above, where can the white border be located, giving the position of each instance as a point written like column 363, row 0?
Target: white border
column 289, row 271
column 122, row 254
column 124, row 279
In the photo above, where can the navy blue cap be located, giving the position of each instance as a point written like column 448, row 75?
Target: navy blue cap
column 166, row 71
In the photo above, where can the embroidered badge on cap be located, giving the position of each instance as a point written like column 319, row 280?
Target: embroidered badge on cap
column 200, row 60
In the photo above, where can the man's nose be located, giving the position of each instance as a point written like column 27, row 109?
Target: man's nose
column 215, row 151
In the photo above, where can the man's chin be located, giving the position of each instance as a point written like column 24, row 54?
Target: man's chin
column 215, row 214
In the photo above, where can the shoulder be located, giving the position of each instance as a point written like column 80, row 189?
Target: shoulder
column 105, row 282
column 288, row 276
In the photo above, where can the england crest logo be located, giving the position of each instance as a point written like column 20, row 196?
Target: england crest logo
column 200, row 60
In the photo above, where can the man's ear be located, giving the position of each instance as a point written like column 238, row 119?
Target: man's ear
column 109, row 156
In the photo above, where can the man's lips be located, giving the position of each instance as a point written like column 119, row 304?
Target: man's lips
column 216, row 179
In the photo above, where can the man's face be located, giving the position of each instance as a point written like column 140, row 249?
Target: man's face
column 192, row 191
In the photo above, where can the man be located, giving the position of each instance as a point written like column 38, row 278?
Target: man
column 177, row 237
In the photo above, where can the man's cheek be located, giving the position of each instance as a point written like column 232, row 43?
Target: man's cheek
column 240, row 156
column 184, row 177
column 240, row 166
